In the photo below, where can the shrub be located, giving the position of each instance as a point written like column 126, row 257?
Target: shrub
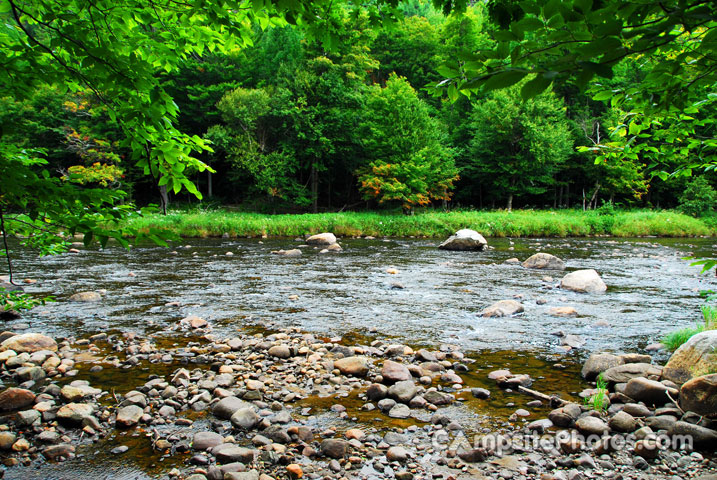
column 699, row 198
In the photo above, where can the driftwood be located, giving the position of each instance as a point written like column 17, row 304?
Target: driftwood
column 553, row 400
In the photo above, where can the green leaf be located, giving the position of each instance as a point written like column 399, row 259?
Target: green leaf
column 504, row 79
column 534, row 87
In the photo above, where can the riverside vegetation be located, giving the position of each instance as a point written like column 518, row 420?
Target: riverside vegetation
column 518, row 223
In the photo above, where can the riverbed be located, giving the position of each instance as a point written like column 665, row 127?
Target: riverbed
column 433, row 298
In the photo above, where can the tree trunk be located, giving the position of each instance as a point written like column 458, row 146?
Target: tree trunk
column 210, row 191
column 314, row 189
column 163, row 198
column 510, row 201
column 593, row 199
column 567, row 196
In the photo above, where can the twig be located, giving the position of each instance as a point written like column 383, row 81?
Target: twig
column 7, row 249
column 552, row 399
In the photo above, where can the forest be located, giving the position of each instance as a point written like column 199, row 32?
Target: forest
column 295, row 123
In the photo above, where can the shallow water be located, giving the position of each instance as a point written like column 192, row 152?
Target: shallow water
column 651, row 290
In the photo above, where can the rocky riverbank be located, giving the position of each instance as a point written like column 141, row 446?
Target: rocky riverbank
column 246, row 407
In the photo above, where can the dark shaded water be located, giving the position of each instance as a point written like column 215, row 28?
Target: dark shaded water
column 651, row 290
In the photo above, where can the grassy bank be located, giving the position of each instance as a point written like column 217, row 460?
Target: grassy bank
column 520, row 223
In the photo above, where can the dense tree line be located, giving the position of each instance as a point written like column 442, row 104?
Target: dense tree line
column 297, row 126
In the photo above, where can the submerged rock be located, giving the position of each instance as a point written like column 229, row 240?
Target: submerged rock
column 544, row 261
column 503, row 308
column 465, row 239
column 294, row 252
column 86, row 297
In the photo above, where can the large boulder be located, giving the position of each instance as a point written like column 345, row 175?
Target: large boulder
column 465, row 239
column 544, row 261
column 699, row 395
column 16, row 398
column 624, row 373
column 503, row 308
column 598, row 363
column 355, row 366
column 29, row 342
column 227, row 406
column 650, row 391
column 696, row 357
column 395, row 372
column 583, row 281
column 321, row 239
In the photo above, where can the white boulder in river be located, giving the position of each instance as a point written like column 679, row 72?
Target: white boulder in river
column 544, row 260
column 465, row 239
column 322, row 239
column 583, row 281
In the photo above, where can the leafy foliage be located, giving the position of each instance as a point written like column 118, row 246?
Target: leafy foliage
column 699, row 198
column 409, row 164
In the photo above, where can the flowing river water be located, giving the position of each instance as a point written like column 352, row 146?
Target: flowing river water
column 433, row 299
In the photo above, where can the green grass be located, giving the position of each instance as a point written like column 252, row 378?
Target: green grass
column 673, row 340
column 599, row 400
column 519, row 223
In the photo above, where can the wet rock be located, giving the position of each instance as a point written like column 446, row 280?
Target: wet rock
column 229, row 453
column 57, row 452
column 660, row 422
column 250, row 475
column 438, row 398
column 395, row 372
column 539, row 426
column 206, row 440
column 321, row 239
column 702, row 436
column 403, row 391
column 7, row 439
column 27, row 418
column 226, row 407
column 129, row 416
column 694, row 358
column 563, row 312
column 475, row 455
column 699, row 395
column 294, row 252
column 29, row 342
column 119, row 450
column 544, row 261
column 623, row 373
column 356, row 366
column 376, row 392
column 622, row 422
column 400, row 411
column 591, row 426
column 637, row 410
column 396, row 454
column 598, row 363
column 463, row 240
column 245, row 418
column 583, row 281
column 71, row 393
column 572, row 341
column 75, row 412
column 334, row 448
column 503, row 308
column 646, row 449
column 86, row 297
column 280, row 351
column 649, row 391
column 481, row 393
column 16, row 398
column 386, row 404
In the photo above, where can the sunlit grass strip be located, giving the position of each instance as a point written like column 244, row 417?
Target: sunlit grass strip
column 520, row 223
